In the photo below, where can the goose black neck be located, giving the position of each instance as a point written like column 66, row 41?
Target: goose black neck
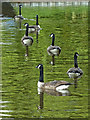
column 41, row 75
column 75, row 61
column 27, row 30
column 36, row 19
column 53, row 39
column 19, row 10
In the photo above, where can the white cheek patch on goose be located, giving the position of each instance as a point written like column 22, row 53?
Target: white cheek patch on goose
column 51, row 35
column 25, row 25
column 39, row 66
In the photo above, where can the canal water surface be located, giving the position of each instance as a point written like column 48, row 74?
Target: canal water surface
column 20, row 96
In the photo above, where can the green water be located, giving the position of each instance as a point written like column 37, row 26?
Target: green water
column 19, row 76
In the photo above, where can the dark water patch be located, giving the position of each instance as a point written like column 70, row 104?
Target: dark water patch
column 7, row 9
column 5, row 18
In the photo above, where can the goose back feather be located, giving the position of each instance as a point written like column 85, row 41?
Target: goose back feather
column 56, row 85
column 27, row 40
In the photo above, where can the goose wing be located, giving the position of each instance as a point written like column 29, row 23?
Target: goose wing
column 27, row 40
column 19, row 16
column 34, row 26
column 53, row 47
column 53, row 50
column 54, row 84
column 75, row 70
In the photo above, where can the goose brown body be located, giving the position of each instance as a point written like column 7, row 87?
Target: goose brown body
column 52, row 49
column 75, row 72
column 27, row 40
column 54, row 84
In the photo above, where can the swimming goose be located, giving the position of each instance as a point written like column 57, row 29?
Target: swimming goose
column 27, row 40
column 53, row 50
column 54, row 85
column 19, row 17
column 35, row 28
column 75, row 72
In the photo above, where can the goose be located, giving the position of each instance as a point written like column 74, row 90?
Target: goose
column 35, row 28
column 53, row 50
column 53, row 85
column 27, row 40
column 19, row 17
column 75, row 72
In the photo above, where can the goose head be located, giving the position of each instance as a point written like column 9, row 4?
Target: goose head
column 20, row 5
column 39, row 66
column 76, row 54
column 26, row 24
column 51, row 35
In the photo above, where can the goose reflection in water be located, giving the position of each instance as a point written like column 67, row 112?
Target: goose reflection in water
column 37, row 37
column 18, row 24
column 54, row 92
column 50, row 92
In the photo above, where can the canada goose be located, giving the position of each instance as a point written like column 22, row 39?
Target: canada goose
column 54, row 85
column 35, row 28
column 53, row 50
column 27, row 40
column 75, row 72
column 19, row 17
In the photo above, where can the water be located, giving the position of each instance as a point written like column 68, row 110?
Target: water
column 20, row 96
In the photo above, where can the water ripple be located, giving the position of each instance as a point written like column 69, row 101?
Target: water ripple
column 2, row 43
